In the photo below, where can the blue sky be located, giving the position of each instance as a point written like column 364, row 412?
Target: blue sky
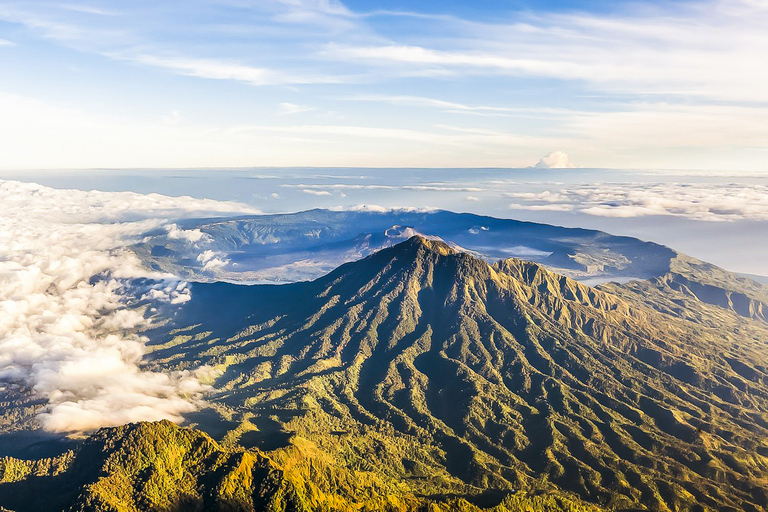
column 229, row 83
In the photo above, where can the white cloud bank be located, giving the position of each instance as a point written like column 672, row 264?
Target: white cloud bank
column 322, row 188
column 702, row 201
column 65, row 331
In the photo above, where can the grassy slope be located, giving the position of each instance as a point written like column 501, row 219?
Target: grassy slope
column 148, row 466
column 418, row 371
column 161, row 467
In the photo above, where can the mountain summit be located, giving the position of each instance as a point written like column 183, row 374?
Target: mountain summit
column 425, row 370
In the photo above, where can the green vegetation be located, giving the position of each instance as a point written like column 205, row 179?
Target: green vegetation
column 147, row 466
column 162, row 467
column 424, row 379
column 421, row 371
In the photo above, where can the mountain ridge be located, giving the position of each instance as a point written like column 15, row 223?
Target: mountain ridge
column 147, row 466
column 485, row 377
column 306, row 245
column 423, row 376
column 160, row 466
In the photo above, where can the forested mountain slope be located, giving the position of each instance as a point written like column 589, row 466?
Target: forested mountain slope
column 162, row 467
column 423, row 371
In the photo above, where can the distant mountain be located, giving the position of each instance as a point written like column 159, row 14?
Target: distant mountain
column 306, row 245
column 691, row 283
column 424, row 371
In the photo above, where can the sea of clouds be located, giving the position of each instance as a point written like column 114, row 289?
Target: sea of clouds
column 68, row 332
column 70, row 309
column 695, row 201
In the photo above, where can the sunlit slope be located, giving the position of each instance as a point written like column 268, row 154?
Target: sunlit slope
column 691, row 283
column 429, row 371
column 162, row 467
column 148, row 466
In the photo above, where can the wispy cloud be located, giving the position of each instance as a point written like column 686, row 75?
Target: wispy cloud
column 637, row 87
column 456, row 59
column 705, row 49
column 217, row 70
column 316, row 192
column 226, row 70
column 114, row 35
column 292, row 108
column 49, row 26
column 368, row 132
column 329, row 14
column 89, row 9
column 455, row 107
column 348, row 186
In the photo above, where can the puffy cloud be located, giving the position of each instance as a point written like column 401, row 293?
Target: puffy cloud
column 191, row 235
column 546, row 196
column 71, row 313
column 212, row 260
column 701, row 202
column 81, row 206
column 555, row 160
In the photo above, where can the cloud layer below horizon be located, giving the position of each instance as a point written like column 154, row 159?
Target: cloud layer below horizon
column 701, row 201
column 69, row 333
column 66, row 333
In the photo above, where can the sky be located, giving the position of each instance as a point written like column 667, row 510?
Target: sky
column 367, row 83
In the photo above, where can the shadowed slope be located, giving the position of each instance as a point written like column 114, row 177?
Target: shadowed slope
column 419, row 369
